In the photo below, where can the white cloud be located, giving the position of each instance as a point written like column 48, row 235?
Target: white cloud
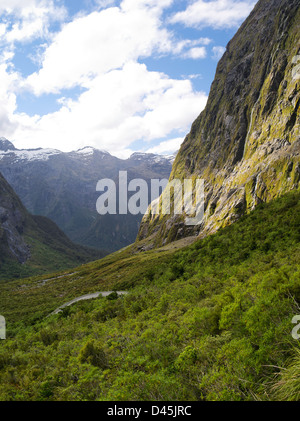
column 7, row 98
column 182, row 47
column 195, row 76
column 218, row 52
column 158, row 5
column 167, row 147
column 2, row 29
column 105, row 3
column 106, row 40
column 120, row 107
column 196, row 53
column 28, row 19
column 215, row 13
column 123, row 102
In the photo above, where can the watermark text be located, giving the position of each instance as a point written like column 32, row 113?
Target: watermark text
column 175, row 197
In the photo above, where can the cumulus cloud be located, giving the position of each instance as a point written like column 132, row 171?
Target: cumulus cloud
column 25, row 20
column 122, row 101
column 97, row 43
column 215, row 13
column 190, row 48
column 120, row 107
column 167, row 147
column 7, row 98
column 196, row 53
column 107, row 39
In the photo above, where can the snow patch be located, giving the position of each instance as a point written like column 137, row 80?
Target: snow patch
column 157, row 159
column 30, row 154
column 89, row 150
column 86, row 151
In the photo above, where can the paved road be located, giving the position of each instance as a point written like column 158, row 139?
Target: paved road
column 86, row 297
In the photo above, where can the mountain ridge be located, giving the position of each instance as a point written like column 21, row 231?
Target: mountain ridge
column 213, row 321
column 62, row 187
column 246, row 143
column 7, row 147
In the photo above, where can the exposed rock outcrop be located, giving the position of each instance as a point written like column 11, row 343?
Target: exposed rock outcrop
column 13, row 218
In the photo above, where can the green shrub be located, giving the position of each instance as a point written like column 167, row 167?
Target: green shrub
column 93, row 354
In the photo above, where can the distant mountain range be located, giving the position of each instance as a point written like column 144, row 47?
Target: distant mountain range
column 33, row 244
column 62, row 187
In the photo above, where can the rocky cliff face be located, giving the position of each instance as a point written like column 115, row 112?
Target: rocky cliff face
column 13, row 218
column 246, row 143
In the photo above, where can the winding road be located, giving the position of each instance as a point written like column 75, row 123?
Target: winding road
column 86, row 297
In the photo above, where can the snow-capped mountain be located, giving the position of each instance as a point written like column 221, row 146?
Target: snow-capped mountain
column 62, row 186
column 7, row 149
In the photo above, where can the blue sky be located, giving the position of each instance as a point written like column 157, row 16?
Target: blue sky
column 119, row 75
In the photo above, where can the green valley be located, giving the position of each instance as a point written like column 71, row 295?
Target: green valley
column 206, row 312
column 211, row 321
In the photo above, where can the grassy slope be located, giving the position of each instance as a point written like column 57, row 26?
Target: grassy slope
column 27, row 300
column 211, row 321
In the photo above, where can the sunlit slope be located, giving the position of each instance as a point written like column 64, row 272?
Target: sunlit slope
column 211, row 321
column 245, row 144
column 32, row 298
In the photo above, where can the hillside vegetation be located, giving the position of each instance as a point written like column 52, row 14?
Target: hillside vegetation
column 211, row 321
column 50, row 249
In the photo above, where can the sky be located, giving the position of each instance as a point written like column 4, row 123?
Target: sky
column 118, row 75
